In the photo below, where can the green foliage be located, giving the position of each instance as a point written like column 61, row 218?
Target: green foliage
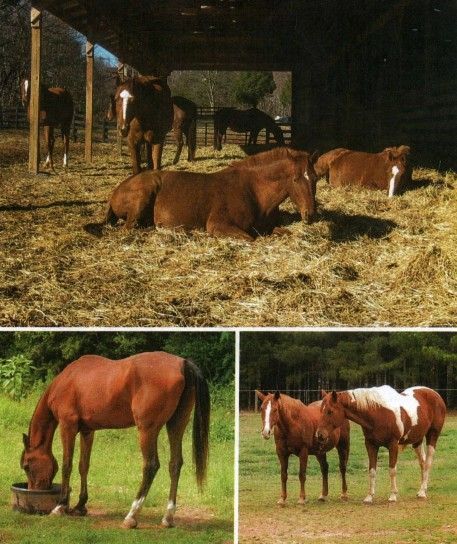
column 251, row 87
column 285, row 96
column 17, row 376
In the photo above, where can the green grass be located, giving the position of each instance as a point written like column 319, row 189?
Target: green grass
column 114, row 479
column 408, row 521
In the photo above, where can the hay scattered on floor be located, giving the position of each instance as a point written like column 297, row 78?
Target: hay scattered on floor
column 368, row 260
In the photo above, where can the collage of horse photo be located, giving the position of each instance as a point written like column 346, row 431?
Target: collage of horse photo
column 228, row 285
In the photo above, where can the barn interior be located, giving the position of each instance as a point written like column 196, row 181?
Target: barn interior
column 366, row 74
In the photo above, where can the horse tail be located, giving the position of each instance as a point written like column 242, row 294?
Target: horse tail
column 195, row 379
column 192, row 138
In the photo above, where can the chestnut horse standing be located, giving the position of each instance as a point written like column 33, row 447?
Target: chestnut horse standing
column 294, row 426
column 144, row 112
column 56, row 109
column 237, row 202
column 252, row 121
column 184, row 124
column 148, row 390
column 388, row 419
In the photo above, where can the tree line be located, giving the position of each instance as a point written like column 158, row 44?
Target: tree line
column 28, row 358
column 291, row 361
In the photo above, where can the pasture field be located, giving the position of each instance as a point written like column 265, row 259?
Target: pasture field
column 114, row 478
column 410, row 520
column 368, row 260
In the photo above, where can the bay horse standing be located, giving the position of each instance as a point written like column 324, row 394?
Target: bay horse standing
column 237, row 202
column 389, row 419
column 144, row 112
column 56, row 110
column 148, row 390
column 294, row 426
column 184, row 125
column 251, row 120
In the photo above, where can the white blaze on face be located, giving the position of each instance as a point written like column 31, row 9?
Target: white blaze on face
column 26, row 87
column 393, row 180
column 125, row 95
column 306, row 176
column 266, row 425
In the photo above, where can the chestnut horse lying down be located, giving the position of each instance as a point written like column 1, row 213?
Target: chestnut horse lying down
column 389, row 419
column 148, row 390
column 294, row 426
column 388, row 170
column 239, row 201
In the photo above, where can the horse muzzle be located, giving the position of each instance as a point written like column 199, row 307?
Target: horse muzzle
column 308, row 217
column 124, row 131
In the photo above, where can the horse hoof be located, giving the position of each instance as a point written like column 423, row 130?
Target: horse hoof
column 368, row 499
column 59, row 510
column 281, row 502
column 421, row 495
column 301, row 501
column 322, row 498
column 392, row 498
column 168, row 523
column 344, row 497
column 78, row 511
column 129, row 523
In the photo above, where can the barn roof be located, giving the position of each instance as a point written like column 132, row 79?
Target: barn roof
column 221, row 34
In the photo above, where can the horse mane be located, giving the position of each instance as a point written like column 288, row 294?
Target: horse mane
column 274, row 154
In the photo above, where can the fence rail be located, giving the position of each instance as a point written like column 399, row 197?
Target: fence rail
column 105, row 131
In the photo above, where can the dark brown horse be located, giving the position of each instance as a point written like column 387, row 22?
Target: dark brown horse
column 294, row 426
column 236, row 202
column 389, row 419
column 388, row 170
column 184, row 125
column 56, row 110
column 144, row 112
column 148, row 390
column 252, row 121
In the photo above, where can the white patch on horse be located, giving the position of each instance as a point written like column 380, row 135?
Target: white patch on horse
column 65, row 159
column 48, row 160
column 387, row 397
column 171, row 507
column 58, row 509
column 393, row 180
column 136, row 505
column 26, row 86
column 306, row 175
column 125, row 95
column 266, row 427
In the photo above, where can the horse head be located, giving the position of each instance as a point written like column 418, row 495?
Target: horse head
column 332, row 416
column 39, row 465
column 270, row 412
column 302, row 190
column 398, row 167
column 24, row 90
column 125, row 105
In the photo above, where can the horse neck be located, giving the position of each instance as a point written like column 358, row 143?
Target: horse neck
column 289, row 409
column 269, row 184
column 358, row 415
column 42, row 425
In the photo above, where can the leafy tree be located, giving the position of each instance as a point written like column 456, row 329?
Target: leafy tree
column 251, row 87
column 285, row 96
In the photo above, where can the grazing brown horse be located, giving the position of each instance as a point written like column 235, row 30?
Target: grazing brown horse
column 294, row 426
column 391, row 420
column 252, row 121
column 236, row 202
column 388, row 170
column 56, row 110
column 148, row 390
column 144, row 112
column 184, row 124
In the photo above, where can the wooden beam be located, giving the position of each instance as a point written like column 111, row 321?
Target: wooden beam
column 34, row 104
column 89, row 100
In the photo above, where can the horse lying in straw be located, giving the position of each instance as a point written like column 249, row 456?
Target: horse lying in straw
column 148, row 390
column 238, row 201
column 391, row 420
column 294, row 426
column 56, row 110
column 388, row 170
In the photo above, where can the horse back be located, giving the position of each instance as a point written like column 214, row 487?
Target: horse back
column 360, row 168
column 56, row 107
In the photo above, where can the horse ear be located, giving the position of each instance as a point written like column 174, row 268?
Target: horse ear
column 314, row 156
column 260, row 395
column 404, row 150
column 334, row 396
column 277, row 395
column 26, row 441
column 323, row 393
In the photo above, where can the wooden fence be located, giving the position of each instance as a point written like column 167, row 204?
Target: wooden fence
column 105, row 131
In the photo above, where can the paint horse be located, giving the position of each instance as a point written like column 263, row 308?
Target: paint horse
column 294, row 427
column 237, row 202
column 148, row 390
column 252, row 121
column 388, row 170
column 184, row 125
column 56, row 110
column 144, row 112
column 391, row 420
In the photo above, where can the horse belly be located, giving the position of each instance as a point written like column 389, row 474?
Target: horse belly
column 174, row 210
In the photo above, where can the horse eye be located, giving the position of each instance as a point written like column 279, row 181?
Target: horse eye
column 26, row 468
column 329, row 412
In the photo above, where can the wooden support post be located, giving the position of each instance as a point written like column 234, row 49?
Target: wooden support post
column 89, row 100
column 34, row 105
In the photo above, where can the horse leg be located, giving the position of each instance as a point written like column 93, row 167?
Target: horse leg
column 148, row 444
column 134, row 147
column 431, row 438
column 217, row 228
column 49, row 138
column 66, row 145
column 284, row 462
column 303, row 458
column 86, row 441
column 175, row 429
column 68, row 432
column 420, row 452
column 157, row 156
column 324, row 471
column 372, row 451
column 343, row 455
column 393, row 456
column 179, row 144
